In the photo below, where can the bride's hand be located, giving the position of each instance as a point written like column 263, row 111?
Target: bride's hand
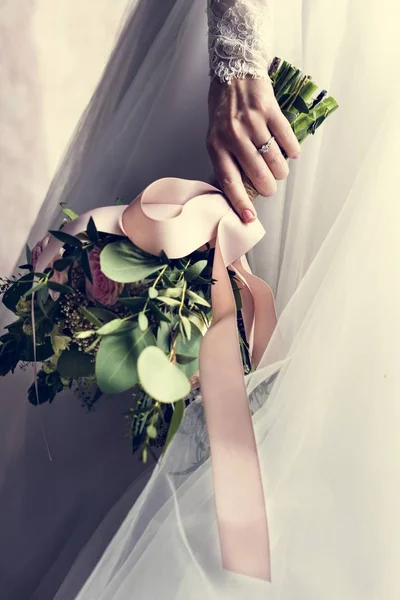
column 242, row 117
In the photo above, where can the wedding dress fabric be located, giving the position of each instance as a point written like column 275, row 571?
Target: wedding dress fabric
column 325, row 396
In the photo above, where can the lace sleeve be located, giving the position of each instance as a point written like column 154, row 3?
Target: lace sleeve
column 239, row 38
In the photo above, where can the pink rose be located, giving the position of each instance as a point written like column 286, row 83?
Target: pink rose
column 102, row 289
column 58, row 276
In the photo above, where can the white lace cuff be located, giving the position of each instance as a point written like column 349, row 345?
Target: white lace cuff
column 239, row 38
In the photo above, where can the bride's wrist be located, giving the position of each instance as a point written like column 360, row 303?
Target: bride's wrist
column 239, row 39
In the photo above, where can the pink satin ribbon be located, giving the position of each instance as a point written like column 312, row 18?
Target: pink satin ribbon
column 179, row 216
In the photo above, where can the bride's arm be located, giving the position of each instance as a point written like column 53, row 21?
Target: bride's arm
column 243, row 111
column 239, row 38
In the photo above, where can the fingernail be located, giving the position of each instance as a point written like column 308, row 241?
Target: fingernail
column 248, row 215
column 296, row 156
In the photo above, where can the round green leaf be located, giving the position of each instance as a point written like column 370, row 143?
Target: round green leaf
column 121, row 262
column 161, row 379
column 116, row 360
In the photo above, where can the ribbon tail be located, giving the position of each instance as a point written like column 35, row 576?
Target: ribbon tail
column 239, row 495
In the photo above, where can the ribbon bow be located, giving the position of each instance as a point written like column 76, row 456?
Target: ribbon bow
column 179, row 216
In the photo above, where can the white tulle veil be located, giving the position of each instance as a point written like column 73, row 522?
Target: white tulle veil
column 325, row 396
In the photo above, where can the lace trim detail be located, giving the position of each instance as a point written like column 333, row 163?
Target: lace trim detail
column 239, row 38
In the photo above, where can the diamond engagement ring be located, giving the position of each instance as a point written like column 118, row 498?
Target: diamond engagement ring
column 265, row 148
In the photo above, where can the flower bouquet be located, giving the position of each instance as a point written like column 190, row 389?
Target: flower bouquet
column 101, row 314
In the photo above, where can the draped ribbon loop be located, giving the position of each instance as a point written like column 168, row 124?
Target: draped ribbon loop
column 179, row 216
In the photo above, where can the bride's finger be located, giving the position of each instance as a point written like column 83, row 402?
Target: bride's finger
column 273, row 155
column 255, row 167
column 283, row 132
column 230, row 181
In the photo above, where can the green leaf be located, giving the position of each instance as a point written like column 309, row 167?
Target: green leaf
column 66, row 238
column 195, row 270
column 177, row 418
column 198, row 299
column 169, row 301
column 173, row 292
column 189, row 348
column 68, row 212
column 28, row 254
column 35, row 289
column 41, row 299
column 143, row 321
column 86, row 265
column 164, row 337
column 58, row 287
column 153, row 293
column 116, row 361
column 92, row 232
column 135, row 304
column 84, row 335
column 117, row 326
column 187, row 327
column 151, row 432
column 74, row 363
column 97, row 316
column 62, row 263
column 158, row 313
column 161, row 379
column 121, row 262
column 16, row 291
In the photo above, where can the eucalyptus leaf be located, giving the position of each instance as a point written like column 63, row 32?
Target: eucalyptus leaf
column 153, row 293
column 158, row 313
column 168, row 301
column 172, row 292
column 164, row 337
column 116, row 360
column 97, row 316
column 198, row 299
column 121, row 262
column 151, row 432
column 117, row 326
column 161, row 379
column 189, row 348
column 143, row 321
column 187, row 327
